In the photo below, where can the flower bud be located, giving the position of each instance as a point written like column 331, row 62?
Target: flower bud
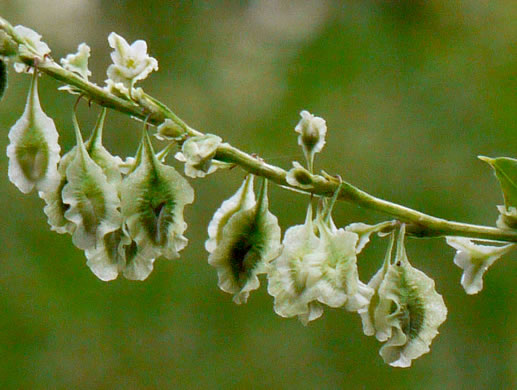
column 312, row 130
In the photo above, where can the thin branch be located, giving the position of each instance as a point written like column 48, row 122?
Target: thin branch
column 147, row 107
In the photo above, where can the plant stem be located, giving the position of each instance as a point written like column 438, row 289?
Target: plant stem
column 147, row 107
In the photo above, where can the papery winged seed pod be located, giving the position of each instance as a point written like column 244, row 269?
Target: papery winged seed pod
column 33, row 150
column 93, row 201
column 250, row 239
column 293, row 277
column 243, row 199
column 339, row 284
column 408, row 312
column 153, row 198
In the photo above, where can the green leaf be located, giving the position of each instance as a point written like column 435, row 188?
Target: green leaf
column 505, row 169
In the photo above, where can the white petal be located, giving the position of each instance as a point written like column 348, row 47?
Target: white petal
column 32, row 40
column 78, row 62
column 475, row 259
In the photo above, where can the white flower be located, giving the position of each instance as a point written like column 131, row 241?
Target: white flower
column 33, row 150
column 169, row 130
column 299, row 177
column 32, row 44
column 131, row 63
column 197, row 153
column 475, row 259
column 312, row 130
column 293, row 277
column 78, row 62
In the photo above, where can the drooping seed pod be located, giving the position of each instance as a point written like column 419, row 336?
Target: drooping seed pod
column 55, row 208
column 250, row 240
column 243, row 199
column 93, row 201
column 293, row 277
column 368, row 313
column 116, row 253
column 33, row 150
column 153, row 197
column 109, row 164
column 409, row 310
column 339, row 284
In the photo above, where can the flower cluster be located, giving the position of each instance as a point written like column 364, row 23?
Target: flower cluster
column 122, row 217
column 316, row 265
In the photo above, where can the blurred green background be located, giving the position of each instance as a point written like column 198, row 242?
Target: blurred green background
column 412, row 92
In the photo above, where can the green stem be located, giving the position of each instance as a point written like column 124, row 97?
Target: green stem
column 147, row 107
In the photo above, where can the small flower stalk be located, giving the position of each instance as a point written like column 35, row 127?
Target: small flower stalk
column 33, row 150
column 243, row 241
column 474, row 260
column 407, row 310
